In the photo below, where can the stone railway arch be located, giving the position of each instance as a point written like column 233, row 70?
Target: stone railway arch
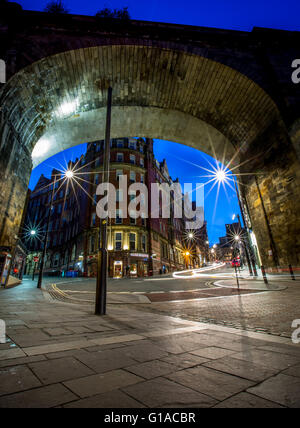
column 204, row 88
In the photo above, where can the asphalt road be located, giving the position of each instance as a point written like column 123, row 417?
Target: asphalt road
column 165, row 283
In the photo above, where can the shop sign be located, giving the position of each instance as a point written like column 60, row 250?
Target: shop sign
column 138, row 255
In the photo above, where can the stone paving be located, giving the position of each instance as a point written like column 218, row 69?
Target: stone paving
column 268, row 309
column 61, row 355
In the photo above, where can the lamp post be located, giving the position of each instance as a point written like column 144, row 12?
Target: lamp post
column 40, row 279
column 244, row 245
column 101, row 285
column 68, row 174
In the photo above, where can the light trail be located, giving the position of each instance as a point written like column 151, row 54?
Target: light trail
column 197, row 273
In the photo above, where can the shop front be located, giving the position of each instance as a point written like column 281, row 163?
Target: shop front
column 118, row 269
column 139, row 265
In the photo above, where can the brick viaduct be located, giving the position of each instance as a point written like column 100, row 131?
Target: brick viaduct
column 227, row 93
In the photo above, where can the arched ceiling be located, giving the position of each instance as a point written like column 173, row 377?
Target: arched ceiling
column 60, row 101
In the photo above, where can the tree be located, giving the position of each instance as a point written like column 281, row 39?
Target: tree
column 56, row 7
column 114, row 13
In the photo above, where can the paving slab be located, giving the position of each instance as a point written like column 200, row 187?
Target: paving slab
column 210, row 382
column 281, row 389
column 116, row 339
column 269, row 359
column 7, row 354
column 59, row 370
column 100, row 383
column 21, row 361
column 185, row 360
column 245, row 400
column 241, row 368
column 162, row 392
column 45, row 397
column 212, row 352
column 177, row 344
column 106, row 361
column 29, row 337
column 152, row 369
column 56, row 347
column 15, row 379
column 282, row 349
column 293, row 371
column 57, row 331
column 143, row 352
column 109, row 400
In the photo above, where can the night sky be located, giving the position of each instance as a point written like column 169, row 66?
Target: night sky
column 230, row 14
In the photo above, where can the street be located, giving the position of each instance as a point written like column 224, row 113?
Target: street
column 159, row 354
column 203, row 296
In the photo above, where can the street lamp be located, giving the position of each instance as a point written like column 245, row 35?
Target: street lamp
column 39, row 284
column 102, row 259
column 68, row 175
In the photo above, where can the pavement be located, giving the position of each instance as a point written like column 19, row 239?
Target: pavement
column 59, row 354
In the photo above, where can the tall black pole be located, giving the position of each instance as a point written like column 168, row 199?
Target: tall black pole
column 101, row 286
column 39, row 284
column 272, row 242
column 247, row 245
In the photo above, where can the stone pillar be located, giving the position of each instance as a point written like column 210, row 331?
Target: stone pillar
column 273, row 197
column 15, row 170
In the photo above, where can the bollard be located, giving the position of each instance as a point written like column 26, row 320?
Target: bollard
column 263, row 271
column 292, row 273
column 236, row 275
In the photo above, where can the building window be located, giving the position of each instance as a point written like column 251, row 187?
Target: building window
column 96, row 179
column 73, row 257
column 132, row 177
column 98, row 147
column 97, row 162
column 132, row 241
column 132, row 144
column 118, row 241
column 141, row 148
column 120, row 157
column 132, row 217
column 118, row 173
column 142, row 178
column 92, row 244
column 132, row 159
column 142, row 162
column 143, row 243
column 120, row 144
column 56, row 260
column 93, row 220
column 119, row 217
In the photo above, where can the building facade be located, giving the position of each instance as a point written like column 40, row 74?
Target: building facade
column 138, row 247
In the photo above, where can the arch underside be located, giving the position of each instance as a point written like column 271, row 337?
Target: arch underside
column 60, row 101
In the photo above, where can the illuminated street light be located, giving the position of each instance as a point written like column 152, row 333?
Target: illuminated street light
column 221, row 175
column 191, row 235
column 32, row 232
column 233, row 217
column 69, row 174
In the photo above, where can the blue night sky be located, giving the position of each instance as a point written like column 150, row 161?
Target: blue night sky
column 230, row 14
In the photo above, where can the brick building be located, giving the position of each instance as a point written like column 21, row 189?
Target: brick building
column 137, row 247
